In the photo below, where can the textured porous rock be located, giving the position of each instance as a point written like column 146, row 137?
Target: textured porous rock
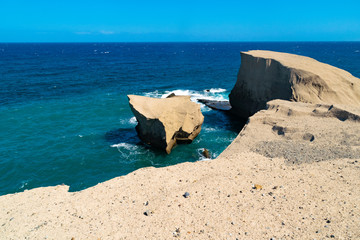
column 163, row 122
column 267, row 75
column 302, row 132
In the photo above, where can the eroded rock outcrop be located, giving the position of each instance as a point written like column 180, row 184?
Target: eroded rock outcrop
column 164, row 122
column 267, row 75
column 302, row 132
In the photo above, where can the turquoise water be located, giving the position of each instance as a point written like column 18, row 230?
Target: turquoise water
column 80, row 141
column 65, row 118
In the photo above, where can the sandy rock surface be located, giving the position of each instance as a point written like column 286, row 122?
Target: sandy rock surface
column 249, row 192
column 164, row 122
column 267, row 75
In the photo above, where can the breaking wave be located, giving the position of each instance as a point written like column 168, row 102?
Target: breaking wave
column 216, row 94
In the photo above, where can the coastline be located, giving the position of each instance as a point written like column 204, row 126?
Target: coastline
column 291, row 173
column 304, row 200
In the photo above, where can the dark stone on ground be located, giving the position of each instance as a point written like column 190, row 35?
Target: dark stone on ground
column 147, row 213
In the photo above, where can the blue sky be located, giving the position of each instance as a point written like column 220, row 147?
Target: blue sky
column 152, row 20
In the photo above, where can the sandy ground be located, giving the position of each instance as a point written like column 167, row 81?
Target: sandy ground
column 256, row 189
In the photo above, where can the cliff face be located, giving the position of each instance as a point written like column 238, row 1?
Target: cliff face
column 266, row 75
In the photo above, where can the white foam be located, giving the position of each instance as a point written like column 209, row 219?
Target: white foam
column 127, row 150
column 126, row 121
column 126, row 146
column 195, row 95
column 216, row 90
column 204, row 159
column 155, row 94
column 24, row 184
column 215, row 94
column 201, row 156
column 178, row 92
column 133, row 121
column 210, row 129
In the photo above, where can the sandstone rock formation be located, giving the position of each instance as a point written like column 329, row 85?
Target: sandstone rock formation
column 267, row 75
column 164, row 122
column 302, row 132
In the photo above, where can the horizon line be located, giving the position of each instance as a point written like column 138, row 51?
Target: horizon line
column 279, row 41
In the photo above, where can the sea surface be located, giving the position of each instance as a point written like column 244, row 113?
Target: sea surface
column 64, row 113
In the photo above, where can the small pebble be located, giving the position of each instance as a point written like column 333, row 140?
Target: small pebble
column 257, row 187
column 177, row 232
column 147, row 213
column 186, row 195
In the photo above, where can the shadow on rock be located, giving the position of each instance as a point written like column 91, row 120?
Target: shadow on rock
column 224, row 120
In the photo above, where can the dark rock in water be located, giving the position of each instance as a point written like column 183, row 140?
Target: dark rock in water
column 171, row 95
column 206, row 153
column 207, row 90
column 217, row 105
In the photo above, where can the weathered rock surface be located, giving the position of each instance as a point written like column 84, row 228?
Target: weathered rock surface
column 302, row 132
column 267, row 75
column 217, row 105
column 163, row 122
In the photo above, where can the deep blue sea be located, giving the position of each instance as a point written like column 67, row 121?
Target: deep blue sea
column 65, row 118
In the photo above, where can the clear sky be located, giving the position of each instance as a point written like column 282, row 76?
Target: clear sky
column 155, row 20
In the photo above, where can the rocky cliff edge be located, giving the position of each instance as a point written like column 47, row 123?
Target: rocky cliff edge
column 267, row 75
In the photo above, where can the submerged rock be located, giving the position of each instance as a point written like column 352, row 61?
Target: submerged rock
column 267, row 75
column 206, row 153
column 164, row 122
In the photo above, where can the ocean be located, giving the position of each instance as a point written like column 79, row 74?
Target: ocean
column 64, row 112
